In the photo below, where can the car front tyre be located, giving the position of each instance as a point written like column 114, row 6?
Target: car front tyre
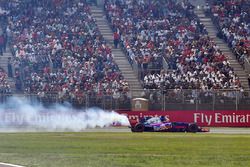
column 139, row 127
column 192, row 128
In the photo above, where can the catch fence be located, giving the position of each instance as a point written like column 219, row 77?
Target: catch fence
column 174, row 99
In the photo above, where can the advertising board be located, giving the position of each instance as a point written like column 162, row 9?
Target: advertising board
column 202, row 118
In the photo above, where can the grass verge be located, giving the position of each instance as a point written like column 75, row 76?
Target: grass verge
column 124, row 149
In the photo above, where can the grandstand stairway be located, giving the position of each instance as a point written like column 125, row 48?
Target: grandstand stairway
column 119, row 56
column 4, row 65
column 4, row 60
column 212, row 32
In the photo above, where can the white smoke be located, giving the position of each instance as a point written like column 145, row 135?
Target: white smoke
column 21, row 114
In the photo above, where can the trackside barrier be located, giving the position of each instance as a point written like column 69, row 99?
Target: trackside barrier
column 202, row 118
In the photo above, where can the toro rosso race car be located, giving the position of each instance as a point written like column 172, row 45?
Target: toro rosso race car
column 162, row 124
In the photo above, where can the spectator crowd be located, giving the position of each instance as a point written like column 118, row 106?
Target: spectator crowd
column 59, row 50
column 3, row 31
column 154, row 31
column 233, row 21
column 4, row 85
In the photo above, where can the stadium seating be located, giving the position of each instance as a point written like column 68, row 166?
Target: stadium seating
column 4, row 85
column 60, row 54
column 151, row 30
column 61, row 51
column 233, row 21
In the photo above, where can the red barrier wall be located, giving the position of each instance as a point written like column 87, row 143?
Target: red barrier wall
column 202, row 118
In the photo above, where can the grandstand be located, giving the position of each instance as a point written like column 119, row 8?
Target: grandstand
column 181, row 55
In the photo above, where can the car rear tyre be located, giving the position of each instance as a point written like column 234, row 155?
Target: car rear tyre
column 193, row 128
column 138, row 128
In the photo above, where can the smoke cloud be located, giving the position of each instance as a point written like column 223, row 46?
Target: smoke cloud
column 19, row 113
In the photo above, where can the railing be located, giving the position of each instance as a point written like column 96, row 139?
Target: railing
column 247, row 65
column 165, row 64
column 207, row 100
column 158, row 100
column 140, row 71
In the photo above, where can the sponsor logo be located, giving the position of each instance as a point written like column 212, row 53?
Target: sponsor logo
column 202, row 118
column 143, row 115
column 220, row 118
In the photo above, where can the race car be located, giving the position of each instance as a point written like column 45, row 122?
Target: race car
column 162, row 124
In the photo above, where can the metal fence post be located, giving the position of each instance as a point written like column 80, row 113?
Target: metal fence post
column 87, row 101
column 236, row 98
column 213, row 100
column 196, row 100
column 164, row 102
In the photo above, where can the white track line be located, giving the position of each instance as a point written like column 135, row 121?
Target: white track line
column 8, row 165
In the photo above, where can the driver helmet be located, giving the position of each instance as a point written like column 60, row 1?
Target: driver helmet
column 163, row 118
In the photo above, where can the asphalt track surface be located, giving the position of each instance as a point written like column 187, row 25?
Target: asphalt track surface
column 212, row 130
column 120, row 129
